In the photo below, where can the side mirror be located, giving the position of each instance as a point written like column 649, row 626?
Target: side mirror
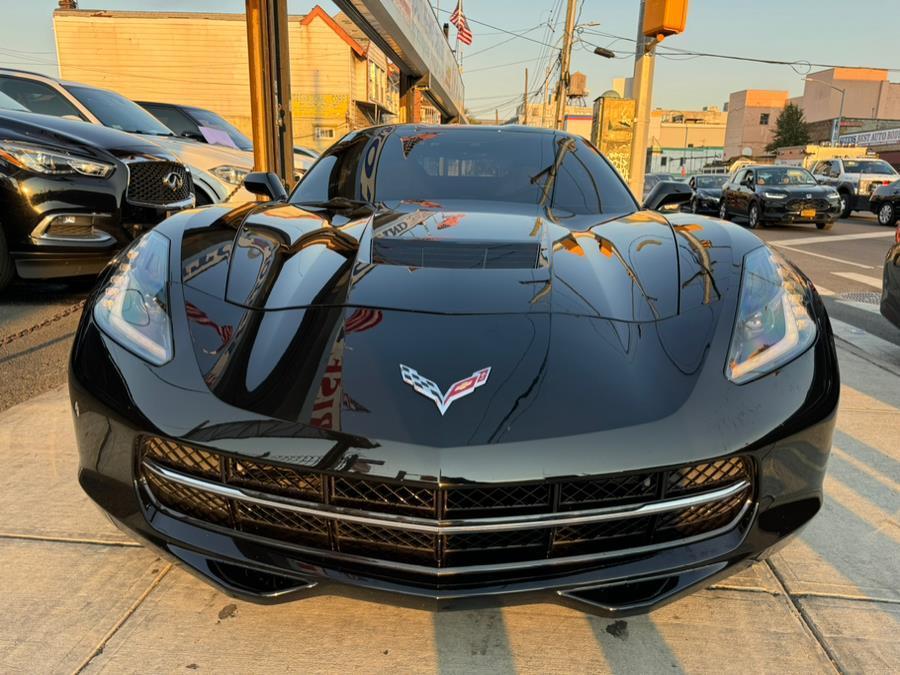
column 266, row 184
column 668, row 195
column 193, row 136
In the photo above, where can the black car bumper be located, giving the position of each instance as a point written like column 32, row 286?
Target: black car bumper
column 69, row 226
column 775, row 212
column 788, row 467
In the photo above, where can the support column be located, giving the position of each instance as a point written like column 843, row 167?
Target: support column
column 270, row 88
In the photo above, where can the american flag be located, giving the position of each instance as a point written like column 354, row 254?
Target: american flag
column 458, row 19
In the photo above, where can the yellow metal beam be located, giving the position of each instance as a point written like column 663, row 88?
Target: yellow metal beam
column 270, row 88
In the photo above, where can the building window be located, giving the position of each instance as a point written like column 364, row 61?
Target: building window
column 377, row 82
column 663, row 161
column 324, row 133
column 764, row 119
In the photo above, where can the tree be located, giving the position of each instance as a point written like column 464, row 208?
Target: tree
column 790, row 129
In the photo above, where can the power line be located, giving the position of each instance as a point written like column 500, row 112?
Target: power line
column 501, row 30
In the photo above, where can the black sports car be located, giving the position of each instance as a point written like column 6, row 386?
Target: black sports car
column 707, row 189
column 72, row 194
column 885, row 203
column 890, row 288
column 767, row 194
column 457, row 364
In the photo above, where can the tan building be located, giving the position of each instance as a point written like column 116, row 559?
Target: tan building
column 685, row 141
column 751, row 121
column 339, row 80
column 867, row 94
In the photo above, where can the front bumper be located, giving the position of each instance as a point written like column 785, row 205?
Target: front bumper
column 789, row 463
column 775, row 212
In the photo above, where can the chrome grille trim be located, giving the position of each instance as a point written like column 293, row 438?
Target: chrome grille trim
column 446, row 527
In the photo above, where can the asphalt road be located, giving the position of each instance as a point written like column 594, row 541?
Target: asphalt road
column 845, row 263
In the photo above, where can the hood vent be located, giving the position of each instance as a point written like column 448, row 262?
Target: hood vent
column 455, row 254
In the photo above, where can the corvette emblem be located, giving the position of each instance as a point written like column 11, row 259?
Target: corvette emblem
column 457, row 390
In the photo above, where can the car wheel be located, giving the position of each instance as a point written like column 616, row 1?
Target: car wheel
column 846, row 209
column 723, row 211
column 753, row 218
column 827, row 225
column 887, row 215
column 7, row 268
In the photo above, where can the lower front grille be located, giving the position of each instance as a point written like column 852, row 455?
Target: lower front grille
column 158, row 183
column 404, row 522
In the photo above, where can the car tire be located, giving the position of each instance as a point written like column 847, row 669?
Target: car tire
column 846, row 206
column 887, row 214
column 723, row 211
column 754, row 219
column 7, row 267
column 827, row 225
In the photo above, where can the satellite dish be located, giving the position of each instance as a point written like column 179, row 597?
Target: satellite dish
column 610, row 93
column 747, row 151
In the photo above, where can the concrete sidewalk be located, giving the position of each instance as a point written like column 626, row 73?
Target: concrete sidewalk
column 78, row 595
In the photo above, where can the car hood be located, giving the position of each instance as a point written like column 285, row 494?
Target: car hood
column 203, row 155
column 305, row 317
column 447, row 259
column 710, row 193
column 84, row 137
column 799, row 191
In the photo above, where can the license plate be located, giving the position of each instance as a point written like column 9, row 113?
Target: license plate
column 808, row 213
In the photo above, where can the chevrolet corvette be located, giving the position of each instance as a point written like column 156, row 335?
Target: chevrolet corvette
column 455, row 366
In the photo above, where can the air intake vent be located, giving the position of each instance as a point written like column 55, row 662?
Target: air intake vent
column 454, row 254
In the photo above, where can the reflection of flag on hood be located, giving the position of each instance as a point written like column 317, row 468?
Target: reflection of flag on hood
column 458, row 19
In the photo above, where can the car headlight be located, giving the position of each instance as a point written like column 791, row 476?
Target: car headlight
column 234, row 175
column 40, row 160
column 833, row 196
column 133, row 307
column 774, row 195
column 774, row 324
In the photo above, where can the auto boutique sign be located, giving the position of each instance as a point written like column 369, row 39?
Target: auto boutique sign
column 413, row 38
column 870, row 138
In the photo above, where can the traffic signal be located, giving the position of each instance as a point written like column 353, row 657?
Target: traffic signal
column 664, row 17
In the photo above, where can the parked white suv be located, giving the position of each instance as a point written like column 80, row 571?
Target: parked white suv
column 218, row 172
column 854, row 179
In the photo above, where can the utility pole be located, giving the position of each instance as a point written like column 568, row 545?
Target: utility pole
column 497, row 116
column 562, row 86
column 270, row 88
column 525, row 99
column 642, row 92
column 546, row 92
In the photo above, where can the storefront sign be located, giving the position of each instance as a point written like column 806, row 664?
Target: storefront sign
column 412, row 36
column 870, row 138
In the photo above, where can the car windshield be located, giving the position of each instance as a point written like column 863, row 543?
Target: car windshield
column 876, row 166
column 710, row 182
column 7, row 103
column 211, row 120
column 116, row 111
column 784, row 176
column 418, row 166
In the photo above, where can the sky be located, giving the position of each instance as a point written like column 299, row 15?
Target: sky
column 817, row 31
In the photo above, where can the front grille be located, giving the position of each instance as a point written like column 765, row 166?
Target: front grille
column 158, row 183
column 800, row 204
column 455, row 254
column 378, row 499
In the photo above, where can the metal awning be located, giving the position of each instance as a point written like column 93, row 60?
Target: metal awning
column 411, row 35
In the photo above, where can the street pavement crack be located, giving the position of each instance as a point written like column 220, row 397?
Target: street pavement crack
column 121, row 621
column 806, row 620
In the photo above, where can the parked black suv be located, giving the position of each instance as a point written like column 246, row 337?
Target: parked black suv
column 778, row 194
column 73, row 193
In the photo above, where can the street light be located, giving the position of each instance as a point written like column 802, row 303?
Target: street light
column 605, row 53
column 836, row 129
